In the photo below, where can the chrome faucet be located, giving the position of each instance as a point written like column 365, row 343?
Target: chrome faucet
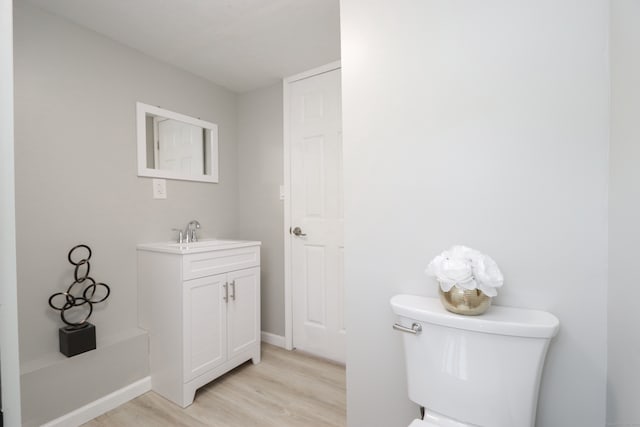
column 190, row 231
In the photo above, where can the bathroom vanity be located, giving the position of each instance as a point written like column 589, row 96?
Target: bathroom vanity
column 200, row 302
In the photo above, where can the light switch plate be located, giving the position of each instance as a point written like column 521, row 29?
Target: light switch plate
column 159, row 188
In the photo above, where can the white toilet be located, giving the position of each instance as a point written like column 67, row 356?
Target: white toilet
column 473, row 370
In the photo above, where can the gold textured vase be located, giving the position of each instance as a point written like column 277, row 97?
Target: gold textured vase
column 464, row 301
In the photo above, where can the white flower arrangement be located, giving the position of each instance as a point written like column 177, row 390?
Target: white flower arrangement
column 466, row 268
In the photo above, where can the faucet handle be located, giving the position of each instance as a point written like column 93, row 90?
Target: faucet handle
column 180, row 234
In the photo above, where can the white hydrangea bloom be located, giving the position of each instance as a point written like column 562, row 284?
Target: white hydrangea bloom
column 466, row 268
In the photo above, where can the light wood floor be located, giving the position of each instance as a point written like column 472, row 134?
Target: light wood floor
column 285, row 389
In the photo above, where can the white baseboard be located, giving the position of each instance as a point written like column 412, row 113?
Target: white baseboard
column 102, row 405
column 273, row 339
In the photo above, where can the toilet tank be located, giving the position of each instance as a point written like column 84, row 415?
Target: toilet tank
column 478, row 370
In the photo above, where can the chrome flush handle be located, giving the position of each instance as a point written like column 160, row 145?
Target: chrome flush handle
column 415, row 329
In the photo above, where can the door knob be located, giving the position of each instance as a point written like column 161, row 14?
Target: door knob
column 297, row 231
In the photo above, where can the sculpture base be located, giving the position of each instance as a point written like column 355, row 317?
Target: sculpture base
column 77, row 339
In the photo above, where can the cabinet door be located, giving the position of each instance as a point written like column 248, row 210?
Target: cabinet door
column 243, row 310
column 204, row 316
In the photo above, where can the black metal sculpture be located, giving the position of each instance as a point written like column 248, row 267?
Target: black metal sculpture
column 79, row 335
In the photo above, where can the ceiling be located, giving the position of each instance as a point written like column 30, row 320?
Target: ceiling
column 239, row 44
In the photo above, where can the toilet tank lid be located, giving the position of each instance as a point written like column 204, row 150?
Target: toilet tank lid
column 499, row 320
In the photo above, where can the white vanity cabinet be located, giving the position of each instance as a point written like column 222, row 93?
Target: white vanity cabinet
column 201, row 305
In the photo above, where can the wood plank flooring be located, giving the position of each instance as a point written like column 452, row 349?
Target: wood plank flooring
column 285, row 389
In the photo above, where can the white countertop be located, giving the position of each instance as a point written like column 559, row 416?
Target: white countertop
column 204, row 245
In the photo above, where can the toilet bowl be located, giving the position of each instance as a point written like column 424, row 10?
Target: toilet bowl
column 432, row 419
column 425, row 423
column 470, row 371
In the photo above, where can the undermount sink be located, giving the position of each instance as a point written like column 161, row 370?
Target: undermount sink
column 195, row 247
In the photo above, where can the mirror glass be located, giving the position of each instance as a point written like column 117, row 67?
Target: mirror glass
column 175, row 146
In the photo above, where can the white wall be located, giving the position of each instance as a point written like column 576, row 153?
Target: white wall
column 9, row 358
column 260, row 210
column 76, row 182
column 624, row 211
column 485, row 124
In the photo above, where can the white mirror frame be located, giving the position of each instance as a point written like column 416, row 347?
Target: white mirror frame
column 141, row 111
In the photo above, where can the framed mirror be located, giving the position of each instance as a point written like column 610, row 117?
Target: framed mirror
column 175, row 146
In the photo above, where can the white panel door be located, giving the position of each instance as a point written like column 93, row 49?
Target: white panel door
column 180, row 147
column 205, row 324
column 317, row 209
column 243, row 309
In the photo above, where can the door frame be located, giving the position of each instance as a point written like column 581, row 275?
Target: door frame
column 288, row 285
column 9, row 347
